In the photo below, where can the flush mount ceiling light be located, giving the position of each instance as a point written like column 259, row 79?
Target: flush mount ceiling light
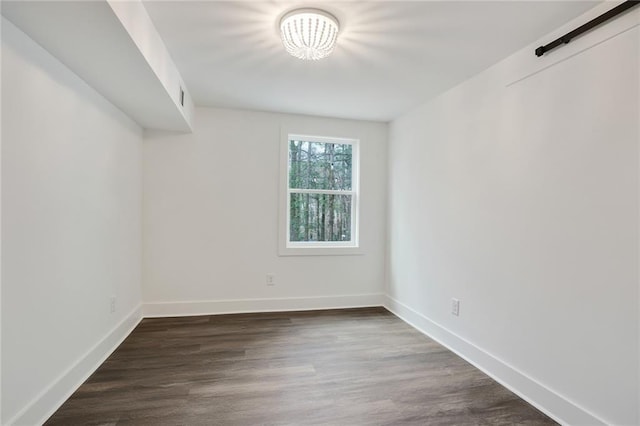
column 309, row 33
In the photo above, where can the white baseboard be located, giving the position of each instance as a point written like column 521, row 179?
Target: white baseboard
column 546, row 400
column 215, row 307
column 51, row 398
column 559, row 408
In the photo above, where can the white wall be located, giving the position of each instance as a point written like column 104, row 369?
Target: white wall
column 1, row 236
column 517, row 193
column 71, row 228
column 211, row 218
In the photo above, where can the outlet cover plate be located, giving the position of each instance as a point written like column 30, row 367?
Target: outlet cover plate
column 455, row 307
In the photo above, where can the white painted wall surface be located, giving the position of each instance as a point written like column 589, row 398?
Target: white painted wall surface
column 521, row 200
column 0, row 236
column 71, row 226
column 211, row 218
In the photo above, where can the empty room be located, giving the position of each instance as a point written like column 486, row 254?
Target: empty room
column 320, row 213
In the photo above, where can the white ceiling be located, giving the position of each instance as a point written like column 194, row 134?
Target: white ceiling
column 390, row 56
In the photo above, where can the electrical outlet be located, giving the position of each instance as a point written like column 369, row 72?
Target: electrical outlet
column 271, row 279
column 112, row 304
column 455, row 307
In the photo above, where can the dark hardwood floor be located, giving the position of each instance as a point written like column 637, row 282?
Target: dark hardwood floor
column 338, row 367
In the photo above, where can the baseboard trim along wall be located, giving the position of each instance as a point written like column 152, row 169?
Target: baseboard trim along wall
column 50, row 399
column 544, row 399
column 216, row 307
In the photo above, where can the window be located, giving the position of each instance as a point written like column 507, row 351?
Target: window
column 321, row 193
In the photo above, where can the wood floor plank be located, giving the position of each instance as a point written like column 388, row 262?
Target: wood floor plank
column 334, row 367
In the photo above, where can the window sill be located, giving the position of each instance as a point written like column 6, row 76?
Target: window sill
column 320, row 251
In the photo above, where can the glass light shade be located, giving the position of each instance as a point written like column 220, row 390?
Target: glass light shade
column 309, row 33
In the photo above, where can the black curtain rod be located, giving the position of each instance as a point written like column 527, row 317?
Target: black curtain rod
column 623, row 7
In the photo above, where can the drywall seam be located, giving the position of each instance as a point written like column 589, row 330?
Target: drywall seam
column 540, row 396
column 50, row 399
column 214, row 307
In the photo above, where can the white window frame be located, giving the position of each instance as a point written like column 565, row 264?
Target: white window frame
column 293, row 248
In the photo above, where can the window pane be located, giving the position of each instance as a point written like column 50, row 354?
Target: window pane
column 315, row 165
column 320, row 217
